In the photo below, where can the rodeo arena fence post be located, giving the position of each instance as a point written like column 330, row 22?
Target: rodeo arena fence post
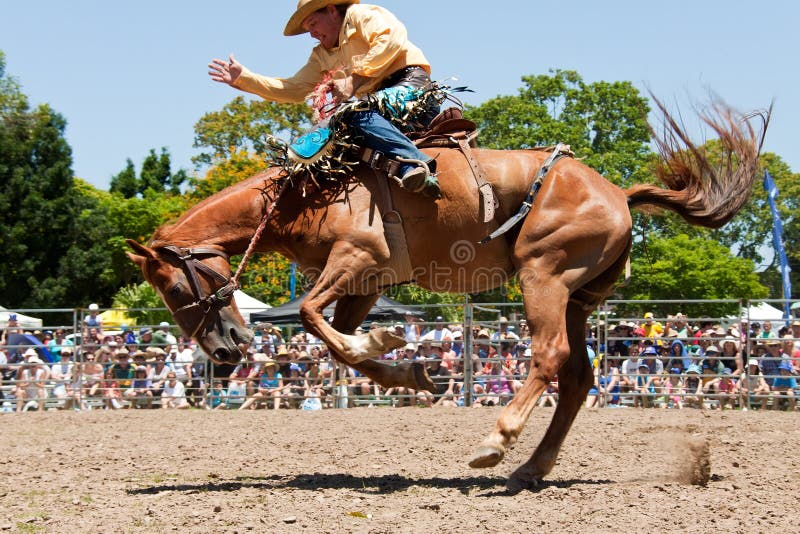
column 705, row 354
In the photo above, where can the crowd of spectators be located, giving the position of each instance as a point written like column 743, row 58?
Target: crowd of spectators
column 645, row 363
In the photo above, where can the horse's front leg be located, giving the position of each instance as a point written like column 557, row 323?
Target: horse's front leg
column 346, row 273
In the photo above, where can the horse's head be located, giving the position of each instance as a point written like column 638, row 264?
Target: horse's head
column 195, row 284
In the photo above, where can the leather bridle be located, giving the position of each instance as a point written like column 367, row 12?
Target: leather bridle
column 202, row 307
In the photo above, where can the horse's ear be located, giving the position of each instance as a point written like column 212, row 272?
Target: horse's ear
column 143, row 253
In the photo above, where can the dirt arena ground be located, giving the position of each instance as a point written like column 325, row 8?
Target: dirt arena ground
column 390, row 470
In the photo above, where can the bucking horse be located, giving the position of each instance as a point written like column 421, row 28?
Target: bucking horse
column 568, row 253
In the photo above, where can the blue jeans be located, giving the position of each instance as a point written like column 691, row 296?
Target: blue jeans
column 380, row 134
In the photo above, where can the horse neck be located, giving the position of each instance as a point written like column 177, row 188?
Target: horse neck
column 228, row 219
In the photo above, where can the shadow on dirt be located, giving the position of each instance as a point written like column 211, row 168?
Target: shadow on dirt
column 475, row 486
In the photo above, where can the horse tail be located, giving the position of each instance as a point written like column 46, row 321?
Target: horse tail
column 703, row 193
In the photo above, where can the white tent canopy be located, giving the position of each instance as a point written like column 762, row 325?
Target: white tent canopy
column 24, row 321
column 762, row 312
column 248, row 304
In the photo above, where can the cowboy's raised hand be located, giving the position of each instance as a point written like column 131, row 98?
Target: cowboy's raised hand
column 225, row 72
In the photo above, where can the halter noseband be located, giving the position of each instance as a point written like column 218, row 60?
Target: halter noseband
column 187, row 257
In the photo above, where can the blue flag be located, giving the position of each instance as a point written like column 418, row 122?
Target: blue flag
column 777, row 241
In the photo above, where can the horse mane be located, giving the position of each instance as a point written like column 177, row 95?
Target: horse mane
column 699, row 191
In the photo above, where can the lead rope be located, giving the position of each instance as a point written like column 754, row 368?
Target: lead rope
column 257, row 236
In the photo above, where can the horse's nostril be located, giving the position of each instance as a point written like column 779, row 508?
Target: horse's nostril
column 222, row 355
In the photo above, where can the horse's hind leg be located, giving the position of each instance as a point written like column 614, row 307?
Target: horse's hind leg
column 545, row 308
column 574, row 381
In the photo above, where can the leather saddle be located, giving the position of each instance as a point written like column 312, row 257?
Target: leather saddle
column 446, row 130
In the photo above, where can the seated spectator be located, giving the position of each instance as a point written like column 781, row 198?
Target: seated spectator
column 651, row 327
column 730, row 355
column 784, row 386
column 678, row 356
column 630, row 370
column 441, row 378
column 93, row 374
column 217, row 397
column 650, row 357
column 242, row 381
column 140, row 391
column 294, row 386
column 693, row 384
column 61, row 373
column 711, row 368
column 498, row 385
column 673, row 389
column 270, row 385
column 608, row 382
column 158, row 373
column 753, row 386
column 723, row 388
column 118, row 379
column 770, row 362
column 645, row 386
column 173, row 396
column 30, row 384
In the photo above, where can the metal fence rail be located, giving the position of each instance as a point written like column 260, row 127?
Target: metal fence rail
column 492, row 357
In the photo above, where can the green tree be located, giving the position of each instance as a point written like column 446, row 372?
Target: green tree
column 604, row 122
column 243, row 125
column 125, row 183
column 686, row 268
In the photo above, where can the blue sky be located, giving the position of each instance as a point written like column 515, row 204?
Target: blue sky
column 131, row 76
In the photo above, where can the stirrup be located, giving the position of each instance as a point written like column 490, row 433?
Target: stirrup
column 416, row 179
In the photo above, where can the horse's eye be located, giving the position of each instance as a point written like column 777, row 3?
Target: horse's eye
column 175, row 291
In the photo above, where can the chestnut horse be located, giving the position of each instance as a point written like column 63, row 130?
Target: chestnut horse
column 568, row 254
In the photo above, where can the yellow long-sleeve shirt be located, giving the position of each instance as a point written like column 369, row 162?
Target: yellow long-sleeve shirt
column 372, row 44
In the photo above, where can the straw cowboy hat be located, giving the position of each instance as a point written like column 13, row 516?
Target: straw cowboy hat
column 304, row 9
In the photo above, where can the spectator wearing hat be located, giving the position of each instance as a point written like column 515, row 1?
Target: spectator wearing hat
column 711, row 366
column 752, row 386
column 503, row 331
column 730, row 355
column 650, row 357
column 158, row 372
column 651, row 327
column 645, row 388
column 771, row 360
column 270, row 386
column 140, row 392
column 173, row 396
column 693, row 384
column 62, row 375
column 145, row 337
column 784, row 385
column 93, row 320
column 30, row 383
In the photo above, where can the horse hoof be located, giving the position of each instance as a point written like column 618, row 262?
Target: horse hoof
column 421, row 378
column 486, row 456
column 517, row 483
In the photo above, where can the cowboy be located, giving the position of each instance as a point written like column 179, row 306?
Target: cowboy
column 370, row 47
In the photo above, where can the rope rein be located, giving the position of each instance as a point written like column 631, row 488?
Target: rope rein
column 257, row 235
